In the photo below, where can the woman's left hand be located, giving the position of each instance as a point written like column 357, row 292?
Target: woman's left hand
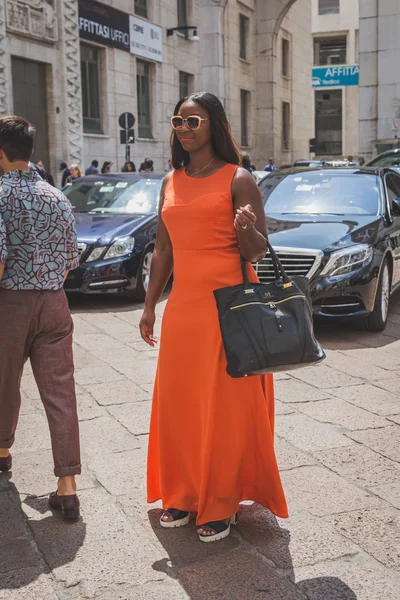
column 245, row 218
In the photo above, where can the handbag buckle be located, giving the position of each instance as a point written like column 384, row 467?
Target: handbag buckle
column 249, row 291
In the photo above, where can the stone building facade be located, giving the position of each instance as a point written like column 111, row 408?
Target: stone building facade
column 335, row 28
column 74, row 66
column 379, row 115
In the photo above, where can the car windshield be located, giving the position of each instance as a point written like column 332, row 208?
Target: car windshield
column 386, row 161
column 137, row 196
column 321, row 193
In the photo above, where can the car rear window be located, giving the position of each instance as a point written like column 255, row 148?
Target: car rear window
column 138, row 196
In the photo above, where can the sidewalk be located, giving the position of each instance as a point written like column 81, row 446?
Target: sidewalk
column 338, row 446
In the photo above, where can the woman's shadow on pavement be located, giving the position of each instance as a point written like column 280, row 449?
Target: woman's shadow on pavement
column 23, row 540
column 251, row 564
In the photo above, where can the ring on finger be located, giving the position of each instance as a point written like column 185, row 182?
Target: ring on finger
column 244, row 226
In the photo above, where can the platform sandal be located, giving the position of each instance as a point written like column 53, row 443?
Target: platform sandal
column 180, row 518
column 222, row 529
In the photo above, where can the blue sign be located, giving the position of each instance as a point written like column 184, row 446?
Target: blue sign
column 335, row 76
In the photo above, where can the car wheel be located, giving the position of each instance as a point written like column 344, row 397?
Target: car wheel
column 377, row 320
column 143, row 275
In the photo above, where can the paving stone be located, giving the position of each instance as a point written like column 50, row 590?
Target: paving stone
column 373, row 356
column 301, row 540
column 154, row 590
column 98, row 342
column 370, row 398
column 88, row 407
column 339, row 412
column 141, row 347
column 27, row 584
column 117, row 392
column 17, row 554
column 321, row 492
column 121, row 472
column 33, row 474
column 111, row 324
column 83, row 326
column 386, row 441
column 394, row 419
column 11, row 516
column 389, row 492
column 325, row 377
column 377, row 531
column 84, row 358
column 98, row 551
column 371, row 340
column 391, row 385
column 358, row 367
column 29, row 405
column 309, row 435
column 290, row 457
column 284, row 409
column 124, row 354
column 105, row 435
column 96, row 374
column 356, row 578
column 237, row 575
column 140, row 371
column 135, row 417
column 28, row 386
column 32, row 433
column 148, row 389
column 292, row 390
column 361, row 465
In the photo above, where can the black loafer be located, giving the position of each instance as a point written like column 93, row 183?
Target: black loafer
column 68, row 505
column 5, row 463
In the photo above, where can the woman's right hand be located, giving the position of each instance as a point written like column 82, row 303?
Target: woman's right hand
column 146, row 327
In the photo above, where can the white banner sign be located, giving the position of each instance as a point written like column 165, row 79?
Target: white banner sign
column 146, row 39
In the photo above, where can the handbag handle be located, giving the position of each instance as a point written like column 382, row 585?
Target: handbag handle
column 279, row 271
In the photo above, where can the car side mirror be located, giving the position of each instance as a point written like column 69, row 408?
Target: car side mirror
column 396, row 206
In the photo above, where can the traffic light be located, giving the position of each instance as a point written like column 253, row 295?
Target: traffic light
column 313, row 145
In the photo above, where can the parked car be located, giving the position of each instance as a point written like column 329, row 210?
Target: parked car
column 341, row 229
column 116, row 220
column 308, row 163
column 390, row 158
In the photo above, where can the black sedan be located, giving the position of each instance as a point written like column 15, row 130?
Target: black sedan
column 116, row 220
column 340, row 228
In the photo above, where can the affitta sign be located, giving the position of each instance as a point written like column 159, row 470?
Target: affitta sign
column 104, row 25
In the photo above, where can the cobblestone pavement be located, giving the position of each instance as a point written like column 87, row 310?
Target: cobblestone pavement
column 338, row 446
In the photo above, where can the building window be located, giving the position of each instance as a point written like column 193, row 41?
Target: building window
column 90, row 75
column 244, row 25
column 143, row 98
column 328, row 122
column 244, row 117
column 328, row 7
column 185, row 84
column 182, row 12
column 285, row 57
column 141, row 8
column 330, row 50
column 285, row 126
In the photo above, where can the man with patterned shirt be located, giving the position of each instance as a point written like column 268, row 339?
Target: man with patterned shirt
column 37, row 249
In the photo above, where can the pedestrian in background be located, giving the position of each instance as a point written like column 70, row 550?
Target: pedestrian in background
column 37, row 249
column 129, row 167
column 48, row 176
column 361, row 161
column 211, row 436
column 106, row 168
column 148, row 166
column 93, row 169
column 65, row 173
column 271, row 165
column 246, row 163
column 75, row 171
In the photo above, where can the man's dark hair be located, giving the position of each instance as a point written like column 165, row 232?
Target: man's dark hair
column 16, row 138
column 95, row 163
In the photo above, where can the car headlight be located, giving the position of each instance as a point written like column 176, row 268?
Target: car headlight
column 121, row 247
column 348, row 260
column 96, row 253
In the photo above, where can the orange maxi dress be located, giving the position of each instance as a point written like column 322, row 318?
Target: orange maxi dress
column 211, row 436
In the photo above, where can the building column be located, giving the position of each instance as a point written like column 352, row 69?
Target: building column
column 368, row 90
column 4, row 75
column 70, row 51
column 212, row 50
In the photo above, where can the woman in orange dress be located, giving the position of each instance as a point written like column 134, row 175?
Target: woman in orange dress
column 211, row 436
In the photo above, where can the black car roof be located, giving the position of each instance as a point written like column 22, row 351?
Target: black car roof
column 339, row 170
column 133, row 176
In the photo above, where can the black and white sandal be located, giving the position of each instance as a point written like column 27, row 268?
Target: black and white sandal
column 180, row 518
column 222, row 529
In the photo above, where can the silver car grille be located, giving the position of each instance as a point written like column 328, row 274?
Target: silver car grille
column 81, row 249
column 295, row 261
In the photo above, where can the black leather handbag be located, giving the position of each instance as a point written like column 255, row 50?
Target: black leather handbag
column 267, row 327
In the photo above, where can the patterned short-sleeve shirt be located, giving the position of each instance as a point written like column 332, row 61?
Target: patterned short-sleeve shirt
column 37, row 233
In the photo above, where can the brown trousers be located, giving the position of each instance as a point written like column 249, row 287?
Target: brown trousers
column 38, row 325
